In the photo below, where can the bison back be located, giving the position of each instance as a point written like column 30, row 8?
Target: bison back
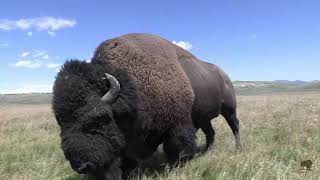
column 152, row 64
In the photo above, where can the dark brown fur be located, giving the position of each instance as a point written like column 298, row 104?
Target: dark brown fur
column 214, row 95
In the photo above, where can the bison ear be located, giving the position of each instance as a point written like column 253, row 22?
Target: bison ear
column 114, row 89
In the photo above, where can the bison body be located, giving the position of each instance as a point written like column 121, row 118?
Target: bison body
column 154, row 92
column 214, row 95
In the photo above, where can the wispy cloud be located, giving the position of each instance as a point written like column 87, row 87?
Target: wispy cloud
column 46, row 56
column 36, row 59
column 28, row 64
column 52, row 33
column 49, row 24
column 53, row 65
column 35, row 64
column 25, row 54
column 28, row 88
column 183, row 44
column 40, row 54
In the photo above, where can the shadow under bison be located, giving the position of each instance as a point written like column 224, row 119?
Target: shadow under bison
column 138, row 91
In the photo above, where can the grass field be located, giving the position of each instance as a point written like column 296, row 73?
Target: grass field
column 278, row 131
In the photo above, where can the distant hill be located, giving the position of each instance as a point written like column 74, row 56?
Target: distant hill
column 280, row 86
column 241, row 88
column 32, row 98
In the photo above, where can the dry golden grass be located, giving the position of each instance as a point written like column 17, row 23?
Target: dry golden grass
column 279, row 131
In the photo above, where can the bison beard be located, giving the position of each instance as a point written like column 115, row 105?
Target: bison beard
column 153, row 93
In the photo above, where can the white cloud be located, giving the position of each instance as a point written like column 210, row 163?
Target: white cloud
column 31, row 88
column 23, row 23
column 40, row 54
column 29, row 33
column 25, row 54
column 4, row 45
column 46, row 56
column 36, row 59
column 28, row 64
column 52, row 33
column 34, row 64
column 35, row 54
column 53, row 65
column 49, row 24
column 53, row 24
column 5, row 25
column 183, row 44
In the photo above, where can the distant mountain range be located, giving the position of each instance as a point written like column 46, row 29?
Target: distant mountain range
column 291, row 82
column 299, row 82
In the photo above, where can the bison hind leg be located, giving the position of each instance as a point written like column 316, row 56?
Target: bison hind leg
column 231, row 116
column 179, row 144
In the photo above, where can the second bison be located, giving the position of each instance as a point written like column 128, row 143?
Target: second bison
column 153, row 92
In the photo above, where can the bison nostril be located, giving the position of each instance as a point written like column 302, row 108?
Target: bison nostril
column 83, row 167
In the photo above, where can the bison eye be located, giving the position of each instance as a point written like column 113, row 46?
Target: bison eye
column 93, row 128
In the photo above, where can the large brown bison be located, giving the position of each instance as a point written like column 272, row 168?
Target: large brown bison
column 137, row 92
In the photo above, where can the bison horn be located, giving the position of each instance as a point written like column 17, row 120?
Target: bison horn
column 114, row 89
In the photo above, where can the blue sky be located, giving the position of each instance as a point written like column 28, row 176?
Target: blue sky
column 249, row 39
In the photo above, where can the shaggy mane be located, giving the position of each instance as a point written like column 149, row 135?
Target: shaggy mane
column 79, row 80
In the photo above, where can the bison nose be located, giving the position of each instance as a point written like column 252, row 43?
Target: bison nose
column 84, row 168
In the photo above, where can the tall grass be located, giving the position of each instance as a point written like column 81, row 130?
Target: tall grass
column 278, row 133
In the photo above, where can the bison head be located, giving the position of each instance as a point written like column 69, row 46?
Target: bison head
column 90, row 137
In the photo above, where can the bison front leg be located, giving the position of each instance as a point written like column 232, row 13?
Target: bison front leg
column 128, row 167
column 179, row 144
column 209, row 132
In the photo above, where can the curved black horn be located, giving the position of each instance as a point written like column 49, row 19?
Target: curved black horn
column 114, row 89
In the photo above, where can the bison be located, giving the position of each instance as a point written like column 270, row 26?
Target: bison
column 138, row 91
